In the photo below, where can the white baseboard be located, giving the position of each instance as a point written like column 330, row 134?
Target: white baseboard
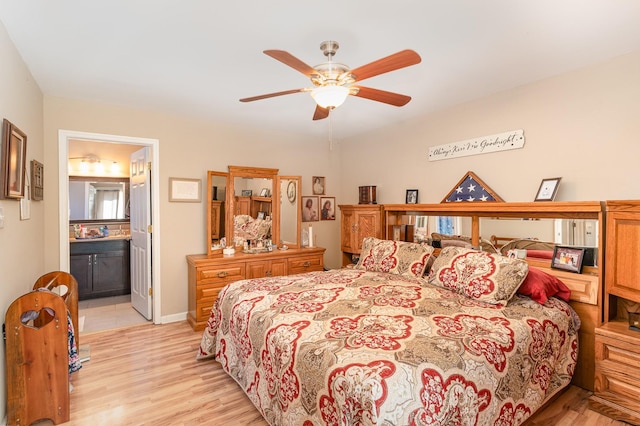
column 166, row 319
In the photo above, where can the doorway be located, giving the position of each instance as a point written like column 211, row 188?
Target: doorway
column 64, row 137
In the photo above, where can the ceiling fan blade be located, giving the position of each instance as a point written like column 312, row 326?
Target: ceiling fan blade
column 288, row 59
column 320, row 113
column 383, row 96
column 402, row 59
column 272, row 95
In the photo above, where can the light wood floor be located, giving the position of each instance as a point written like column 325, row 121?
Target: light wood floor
column 148, row 375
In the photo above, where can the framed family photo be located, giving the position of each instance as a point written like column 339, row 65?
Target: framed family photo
column 310, row 209
column 412, row 196
column 14, row 153
column 318, row 185
column 568, row 258
column 327, row 208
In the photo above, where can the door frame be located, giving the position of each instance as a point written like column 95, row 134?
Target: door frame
column 63, row 198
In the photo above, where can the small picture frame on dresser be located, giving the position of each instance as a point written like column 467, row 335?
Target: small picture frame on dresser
column 548, row 189
column 412, row 196
column 568, row 258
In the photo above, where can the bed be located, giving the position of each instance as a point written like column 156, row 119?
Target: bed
column 387, row 343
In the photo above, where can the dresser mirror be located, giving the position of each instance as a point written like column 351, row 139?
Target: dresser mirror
column 254, row 216
column 500, row 231
column 290, row 208
column 217, row 183
column 101, row 199
column 578, row 232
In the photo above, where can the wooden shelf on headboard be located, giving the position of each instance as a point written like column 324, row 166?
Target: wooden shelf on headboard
column 586, row 288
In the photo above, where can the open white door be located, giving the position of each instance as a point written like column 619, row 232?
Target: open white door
column 140, row 223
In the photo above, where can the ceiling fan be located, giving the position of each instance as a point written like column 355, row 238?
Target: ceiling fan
column 333, row 81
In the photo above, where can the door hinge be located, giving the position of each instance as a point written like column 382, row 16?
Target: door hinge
column 149, row 166
column 150, row 291
column 150, row 229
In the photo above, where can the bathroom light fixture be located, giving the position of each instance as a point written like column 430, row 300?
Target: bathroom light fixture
column 92, row 164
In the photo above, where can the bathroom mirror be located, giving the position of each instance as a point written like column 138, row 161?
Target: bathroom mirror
column 290, row 208
column 98, row 199
column 217, row 207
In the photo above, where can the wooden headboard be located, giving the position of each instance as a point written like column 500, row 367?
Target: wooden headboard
column 586, row 288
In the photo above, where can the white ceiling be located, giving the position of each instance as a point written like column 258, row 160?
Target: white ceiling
column 198, row 57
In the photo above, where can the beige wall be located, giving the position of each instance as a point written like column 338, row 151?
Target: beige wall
column 21, row 248
column 188, row 148
column 582, row 126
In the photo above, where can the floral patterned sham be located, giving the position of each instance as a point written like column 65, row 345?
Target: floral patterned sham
column 478, row 275
column 353, row 347
column 394, row 257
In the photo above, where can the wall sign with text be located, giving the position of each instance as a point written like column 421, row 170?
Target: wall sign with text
column 482, row 145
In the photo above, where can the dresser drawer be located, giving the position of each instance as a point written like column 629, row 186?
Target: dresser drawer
column 617, row 376
column 209, row 291
column 203, row 309
column 299, row 265
column 221, row 274
column 618, row 355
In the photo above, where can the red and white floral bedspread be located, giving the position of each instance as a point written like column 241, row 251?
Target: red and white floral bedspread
column 349, row 347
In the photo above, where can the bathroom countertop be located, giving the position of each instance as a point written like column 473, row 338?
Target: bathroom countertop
column 109, row 238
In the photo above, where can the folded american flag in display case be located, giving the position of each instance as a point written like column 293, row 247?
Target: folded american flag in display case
column 471, row 189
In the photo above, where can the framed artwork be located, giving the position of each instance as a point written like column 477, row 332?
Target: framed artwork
column 412, row 196
column 262, row 215
column 318, row 185
column 185, row 190
column 328, row 208
column 548, row 189
column 309, row 209
column 291, row 191
column 14, row 153
column 246, row 193
column 568, row 258
column 264, row 192
column 37, row 180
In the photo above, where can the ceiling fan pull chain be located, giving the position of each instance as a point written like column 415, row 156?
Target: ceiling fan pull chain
column 330, row 131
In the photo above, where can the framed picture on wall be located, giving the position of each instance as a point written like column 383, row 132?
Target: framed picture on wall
column 309, row 209
column 318, row 185
column 37, row 180
column 185, row 190
column 327, row 208
column 14, row 153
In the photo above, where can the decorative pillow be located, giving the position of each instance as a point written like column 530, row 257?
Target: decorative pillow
column 488, row 277
column 540, row 254
column 540, row 286
column 394, row 257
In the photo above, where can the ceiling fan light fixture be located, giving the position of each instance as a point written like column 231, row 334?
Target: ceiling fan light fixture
column 330, row 96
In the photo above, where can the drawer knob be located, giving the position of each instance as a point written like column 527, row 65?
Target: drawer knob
column 223, row 274
column 306, row 264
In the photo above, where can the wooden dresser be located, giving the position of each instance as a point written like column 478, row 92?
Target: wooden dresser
column 358, row 222
column 617, row 378
column 209, row 274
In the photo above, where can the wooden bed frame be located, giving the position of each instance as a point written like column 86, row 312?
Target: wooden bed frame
column 586, row 288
